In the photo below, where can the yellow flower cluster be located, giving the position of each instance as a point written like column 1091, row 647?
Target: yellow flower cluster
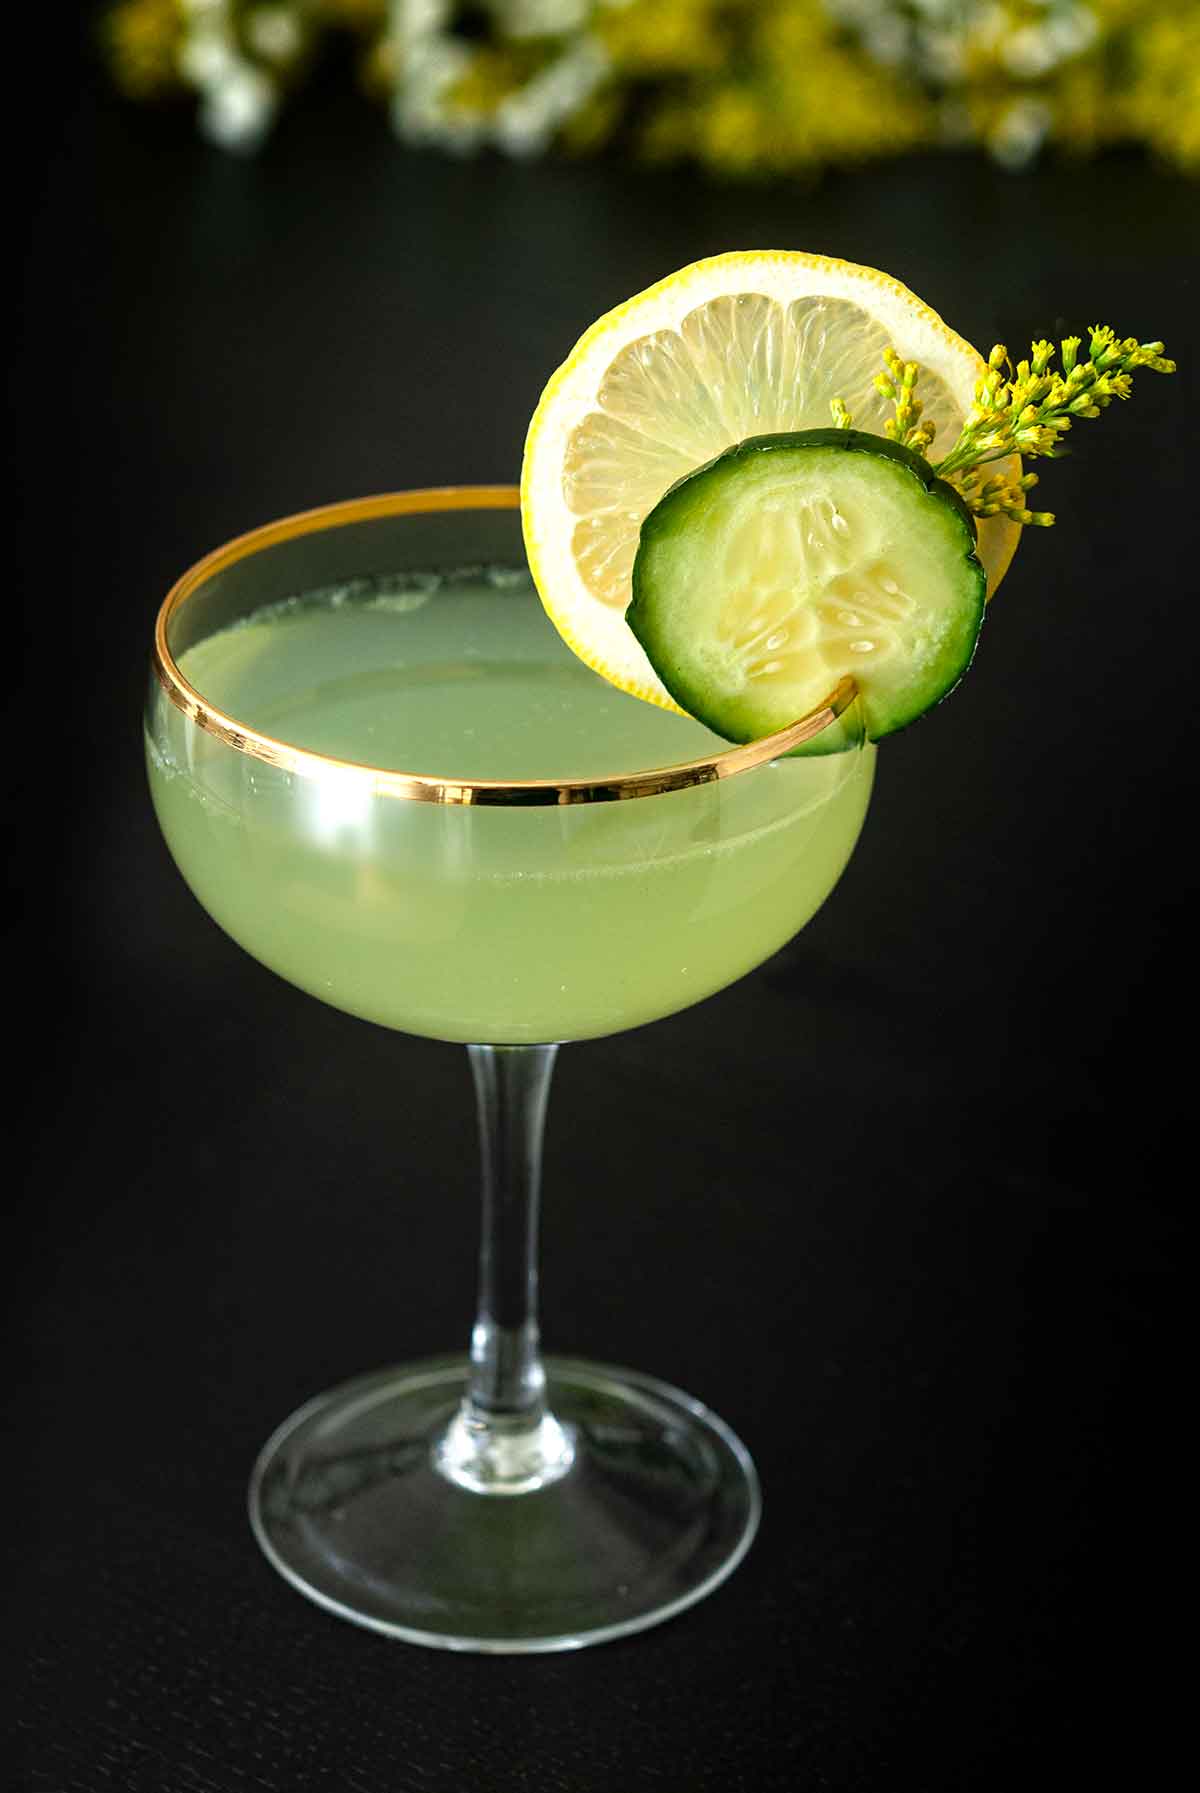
column 898, row 382
column 769, row 89
column 1029, row 412
column 742, row 87
column 1162, row 103
column 143, row 39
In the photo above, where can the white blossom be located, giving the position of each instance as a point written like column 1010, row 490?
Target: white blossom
column 206, row 57
column 411, row 20
column 239, row 109
column 526, row 120
column 1016, row 140
column 540, row 18
column 419, row 111
column 274, row 33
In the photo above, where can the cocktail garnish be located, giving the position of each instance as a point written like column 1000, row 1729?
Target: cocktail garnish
column 1024, row 410
column 792, row 561
column 699, row 542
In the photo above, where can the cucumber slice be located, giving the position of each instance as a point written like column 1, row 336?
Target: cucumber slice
column 764, row 576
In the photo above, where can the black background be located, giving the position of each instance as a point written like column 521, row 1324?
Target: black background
column 905, row 1206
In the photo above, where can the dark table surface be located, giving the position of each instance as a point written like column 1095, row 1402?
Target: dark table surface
column 904, row 1206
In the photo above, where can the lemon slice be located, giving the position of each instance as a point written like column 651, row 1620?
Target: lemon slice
column 741, row 345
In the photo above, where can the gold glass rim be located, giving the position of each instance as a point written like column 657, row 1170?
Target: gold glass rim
column 422, row 787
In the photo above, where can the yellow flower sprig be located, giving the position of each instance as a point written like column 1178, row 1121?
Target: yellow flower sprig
column 983, row 496
column 898, row 383
column 1029, row 412
column 997, row 496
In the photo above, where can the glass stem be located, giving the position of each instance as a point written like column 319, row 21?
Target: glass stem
column 512, row 1084
column 503, row 1440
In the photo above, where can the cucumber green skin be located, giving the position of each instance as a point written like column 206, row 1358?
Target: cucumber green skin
column 660, row 523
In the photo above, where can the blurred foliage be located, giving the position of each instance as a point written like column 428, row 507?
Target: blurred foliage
column 742, row 87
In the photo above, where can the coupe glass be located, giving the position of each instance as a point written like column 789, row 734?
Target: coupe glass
column 497, row 1500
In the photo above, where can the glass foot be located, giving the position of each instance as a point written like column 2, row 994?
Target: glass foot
column 355, row 1504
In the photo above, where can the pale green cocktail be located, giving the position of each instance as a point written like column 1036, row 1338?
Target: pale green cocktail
column 482, row 923
column 391, row 782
